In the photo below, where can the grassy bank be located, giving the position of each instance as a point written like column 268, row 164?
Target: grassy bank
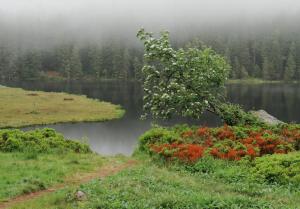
column 36, row 160
column 237, row 167
column 148, row 185
column 22, row 173
column 24, row 108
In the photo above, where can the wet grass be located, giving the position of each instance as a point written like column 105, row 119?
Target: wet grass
column 148, row 185
column 22, row 173
column 19, row 108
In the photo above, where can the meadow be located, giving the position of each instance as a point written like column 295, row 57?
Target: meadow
column 19, row 108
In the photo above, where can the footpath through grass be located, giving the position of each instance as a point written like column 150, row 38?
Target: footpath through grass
column 23, row 173
column 24, row 108
column 37, row 160
column 149, row 185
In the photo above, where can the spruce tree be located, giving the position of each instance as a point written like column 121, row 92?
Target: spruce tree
column 30, row 65
column 290, row 68
column 75, row 63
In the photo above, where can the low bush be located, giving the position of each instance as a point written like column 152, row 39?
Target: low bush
column 157, row 135
column 234, row 154
column 280, row 169
column 40, row 140
column 233, row 114
column 227, row 142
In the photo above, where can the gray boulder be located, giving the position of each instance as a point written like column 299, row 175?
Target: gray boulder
column 266, row 117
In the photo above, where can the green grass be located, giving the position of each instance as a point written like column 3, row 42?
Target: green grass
column 20, row 108
column 22, row 173
column 148, row 185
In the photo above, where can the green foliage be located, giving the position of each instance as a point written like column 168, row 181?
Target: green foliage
column 40, row 140
column 233, row 114
column 280, row 169
column 181, row 82
column 157, row 135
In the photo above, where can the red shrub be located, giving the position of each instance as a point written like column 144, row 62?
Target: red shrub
column 184, row 152
column 225, row 145
column 225, row 133
column 187, row 134
column 203, row 132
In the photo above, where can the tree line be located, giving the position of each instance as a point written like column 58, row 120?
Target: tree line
column 270, row 56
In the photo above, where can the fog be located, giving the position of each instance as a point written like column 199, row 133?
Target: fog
column 43, row 22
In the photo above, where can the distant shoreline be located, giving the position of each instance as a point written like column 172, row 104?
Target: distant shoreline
column 257, row 81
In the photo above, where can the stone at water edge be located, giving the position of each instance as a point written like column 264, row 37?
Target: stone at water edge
column 80, row 195
column 266, row 117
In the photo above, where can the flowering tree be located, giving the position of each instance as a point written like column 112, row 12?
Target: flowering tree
column 181, row 82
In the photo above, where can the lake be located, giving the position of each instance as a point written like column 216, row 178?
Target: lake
column 120, row 136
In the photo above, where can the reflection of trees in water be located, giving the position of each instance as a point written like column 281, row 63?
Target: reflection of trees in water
column 281, row 100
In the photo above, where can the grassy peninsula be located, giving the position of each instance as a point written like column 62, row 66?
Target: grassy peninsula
column 20, row 108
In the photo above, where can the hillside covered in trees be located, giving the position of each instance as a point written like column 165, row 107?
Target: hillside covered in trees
column 269, row 51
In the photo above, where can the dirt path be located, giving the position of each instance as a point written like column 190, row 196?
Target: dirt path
column 75, row 180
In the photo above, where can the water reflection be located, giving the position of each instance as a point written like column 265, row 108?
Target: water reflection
column 120, row 136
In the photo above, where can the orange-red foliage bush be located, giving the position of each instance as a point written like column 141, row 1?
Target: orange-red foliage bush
column 224, row 144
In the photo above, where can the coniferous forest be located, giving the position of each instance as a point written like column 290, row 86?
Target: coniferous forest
column 254, row 50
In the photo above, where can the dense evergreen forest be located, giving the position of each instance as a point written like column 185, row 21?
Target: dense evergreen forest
column 271, row 53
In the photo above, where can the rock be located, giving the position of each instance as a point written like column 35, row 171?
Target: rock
column 80, row 195
column 266, row 117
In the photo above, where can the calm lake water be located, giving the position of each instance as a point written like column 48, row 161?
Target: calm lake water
column 120, row 136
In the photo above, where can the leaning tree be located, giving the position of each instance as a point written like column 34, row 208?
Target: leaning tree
column 184, row 82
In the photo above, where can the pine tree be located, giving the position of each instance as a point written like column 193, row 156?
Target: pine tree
column 64, row 61
column 124, row 71
column 266, row 69
column 30, row 65
column 75, row 63
column 235, row 72
column 70, row 63
column 243, row 72
column 290, row 68
column 137, row 67
column 117, row 62
column 276, row 68
column 4, row 62
column 257, row 71
column 297, row 58
column 245, row 57
column 97, row 64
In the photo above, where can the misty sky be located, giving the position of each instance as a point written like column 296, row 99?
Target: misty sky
column 48, row 8
column 93, row 18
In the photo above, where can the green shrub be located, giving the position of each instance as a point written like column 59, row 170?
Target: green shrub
column 207, row 165
column 157, row 135
column 233, row 114
column 280, row 169
column 40, row 140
